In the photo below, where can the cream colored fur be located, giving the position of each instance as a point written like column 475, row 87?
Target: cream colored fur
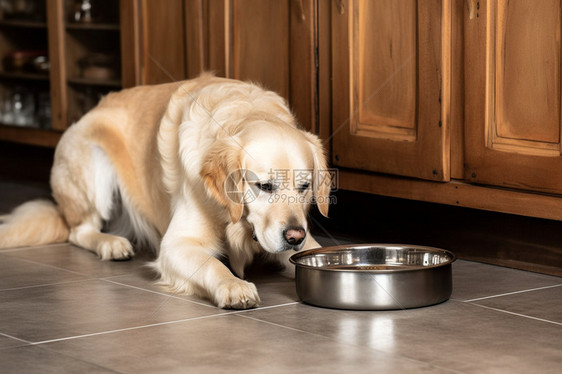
column 33, row 223
column 153, row 161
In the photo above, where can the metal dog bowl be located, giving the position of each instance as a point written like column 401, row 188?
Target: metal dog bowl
column 373, row 276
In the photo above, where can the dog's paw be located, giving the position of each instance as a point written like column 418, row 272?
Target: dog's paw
column 115, row 248
column 237, row 294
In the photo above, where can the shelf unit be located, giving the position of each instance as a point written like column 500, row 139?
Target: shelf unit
column 87, row 60
column 23, row 36
column 24, row 24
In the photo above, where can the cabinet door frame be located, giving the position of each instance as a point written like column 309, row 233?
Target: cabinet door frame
column 426, row 153
column 213, row 34
column 487, row 160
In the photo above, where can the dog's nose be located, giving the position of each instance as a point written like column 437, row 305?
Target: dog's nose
column 294, row 235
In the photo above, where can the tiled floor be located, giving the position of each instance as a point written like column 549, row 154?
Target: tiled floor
column 63, row 311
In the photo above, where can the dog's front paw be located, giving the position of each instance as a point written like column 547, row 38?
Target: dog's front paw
column 115, row 248
column 237, row 294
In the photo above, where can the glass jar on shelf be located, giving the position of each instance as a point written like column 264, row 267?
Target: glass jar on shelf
column 82, row 12
column 18, row 108
column 23, row 10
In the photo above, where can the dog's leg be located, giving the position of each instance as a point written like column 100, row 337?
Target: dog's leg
column 108, row 247
column 283, row 257
column 84, row 192
column 188, row 259
column 186, row 265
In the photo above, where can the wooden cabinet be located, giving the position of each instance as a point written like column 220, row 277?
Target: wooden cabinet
column 162, row 41
column 454, row 102
column 68, row 53
column 512, row 136
column 466, row 93
column 270, row 42
column 390, row 65
column 24, row 74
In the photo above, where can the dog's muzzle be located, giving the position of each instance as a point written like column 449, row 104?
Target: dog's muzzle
column 292, row 243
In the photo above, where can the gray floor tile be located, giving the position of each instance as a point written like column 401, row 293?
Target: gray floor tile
column 276, row 290
column 79, row 260
column 86, row 307
column 30, row 360
column 17, row 273
column 473, row 280
column 273, row 288
column 454, row 335
column 97, row 317
column 544, row 304
column 230, row 344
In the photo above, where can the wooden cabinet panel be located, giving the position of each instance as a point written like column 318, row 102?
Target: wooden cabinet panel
column 457, row 89
column 512, row 59
column 59, row 99
column 130, row 43
column 384, row 69
column 391, row 86
column 527, row 70
column 259, row 43
column 163, row 46
column 266, row 41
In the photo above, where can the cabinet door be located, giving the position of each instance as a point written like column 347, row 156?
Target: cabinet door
column 266, row 41
column 513, row 100
column 391, row 86
column 161, row 30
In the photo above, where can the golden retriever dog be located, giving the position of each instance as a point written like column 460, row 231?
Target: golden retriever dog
column 199, row 170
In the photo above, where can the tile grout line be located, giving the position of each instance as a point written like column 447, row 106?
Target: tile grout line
column 265, row 307
column 13, row 337
column 38, row 247
column 128, row 329
column 234, row 312
column 282, row 326
column 48, row 265
column 48, row 284
column 108, row 280
column 517, row 314
column 511, row 293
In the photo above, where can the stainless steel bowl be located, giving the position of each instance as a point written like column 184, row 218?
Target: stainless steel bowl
column 373, row 276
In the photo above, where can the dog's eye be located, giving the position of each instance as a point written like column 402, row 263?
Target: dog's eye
column 303, row 187
column 267, row 187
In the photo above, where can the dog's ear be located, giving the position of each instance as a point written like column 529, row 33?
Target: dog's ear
column 223, row 178
column 321, row 178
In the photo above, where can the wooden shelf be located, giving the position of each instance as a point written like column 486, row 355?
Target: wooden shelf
column 93, row 26
column 24, row 76
column 94, row 82
column 30, row 135
column 67, row 43
column 24, row 24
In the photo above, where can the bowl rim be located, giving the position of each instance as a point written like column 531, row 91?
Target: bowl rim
column 311, row 252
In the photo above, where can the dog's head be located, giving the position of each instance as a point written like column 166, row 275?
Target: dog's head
column 269, row 174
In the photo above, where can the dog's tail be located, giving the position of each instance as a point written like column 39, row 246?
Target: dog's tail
column 36, row 222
